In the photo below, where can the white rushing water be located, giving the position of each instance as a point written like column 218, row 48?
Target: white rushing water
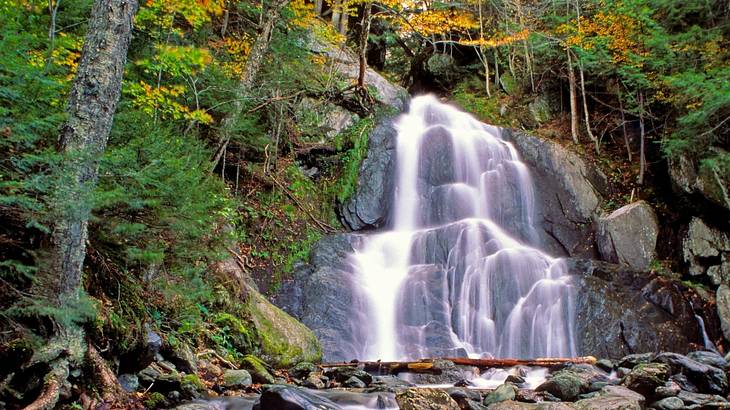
column 459, row 272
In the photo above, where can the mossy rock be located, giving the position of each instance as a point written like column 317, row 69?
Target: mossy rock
column 283, row 340
column 258, row 370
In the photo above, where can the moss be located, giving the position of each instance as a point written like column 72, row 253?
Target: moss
column 192, row 380
column 155, row 400
column 283, row 340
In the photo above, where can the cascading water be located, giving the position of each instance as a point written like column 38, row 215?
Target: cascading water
column 459, row 273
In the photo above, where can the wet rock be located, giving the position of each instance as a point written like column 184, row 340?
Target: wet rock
column 389, row 384
column 314, row 381
column 689, row 179
column 302, row 370
column 129, row 382
column 683, row 382
column 324, row 297
column 425, row 399
column 568, row 195
column 354, row 383
column 699, row 399
column 148, row 375
column 168, row 382
column 669, row 403
column 646, row 378
column 258, row 370
column 281, row 397
column 502, row 393
column 564, row 385
column 621, row 311
column 369, row 206
column 342, row 374
column 706, row 378
column 632, row 360
column 605, row 364
column 713, row 359
column 612, row 398
column 183, row 358
column 236, row 379
column 449, row 374
column 669, row 389
column 515, row 379
column 628, row 235
column 461, row 394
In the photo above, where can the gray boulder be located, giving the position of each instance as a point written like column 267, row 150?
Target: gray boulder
column 628, row 235
column 369, row 206
column 690, row 179
column 620, row 311
column 236, row 379
column 707, row 250
column 281, row 397
column 707, row 378
column 564, row 385
column 502, row 393
column 723, row 309
column 425, row 399
column 669, row 403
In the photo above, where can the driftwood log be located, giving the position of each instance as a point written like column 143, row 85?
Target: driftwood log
column 430, row 366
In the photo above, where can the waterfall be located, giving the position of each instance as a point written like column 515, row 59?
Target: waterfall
column 459, row 272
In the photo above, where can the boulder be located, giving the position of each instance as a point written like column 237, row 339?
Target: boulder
column 354, row 383
column 707, row 250
column 329, row 118
column 323, row 296
column 699, row 399
column 713, row 359
column 282, row 397
column 369, row 205
column 342, row 374
column 258, row 369
column 314, row 381
column 628, row 235
column 612, row 398
column 425, row 399
column 621, row 311
column 707, row 181
column 143, row 355
column 129, row 382
column 564, row 385
column 707, row 378
column 646, row 378
column 567, row 198
column 284, row 341
column 504, row 392
column 236, row 379
column 346, row 65
column 669, row 403
column 302, row 370
column 389, row 384
column 723, row 309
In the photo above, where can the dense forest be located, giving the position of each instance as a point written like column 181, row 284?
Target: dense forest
column 167, row 166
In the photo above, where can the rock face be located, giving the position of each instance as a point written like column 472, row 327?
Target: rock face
column 369, row 206
column 723, row 309
column 628, row 235
column 346, row 64
column 329, row 118
column 708, row 181
column 425, row 399
column 707, row 251
column 322, row 296
column 621, row 311
column 568, row 194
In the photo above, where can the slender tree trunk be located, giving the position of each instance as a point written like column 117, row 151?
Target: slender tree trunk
column 480, row 52
column 82, row 141
column 250, row 70
column 593, row 138
column 573, row 99
column 623, row 126
column 343, row 22
column 336, row 14
column 318, row 6
column 642, row 155
column 364, row 33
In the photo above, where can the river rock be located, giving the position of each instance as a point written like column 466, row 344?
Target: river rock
column 621, row 311
column 369, row 205
column 314, row 381
column 564, row 385
column 713, row 359
column 706, row 378
column 669, row 403
column 612, row 398
column 236, row 379
column 646, row 378
column 699, row 399
column 258, row 369
column 281, row 397
column 302, row 370
column 129, row 382
column 342, row 374
column 425, row 399
column 182, row 356
column 504, row 392
column 628, row 235
column 723, row 309
column 354, row 383
column 389, row 383
column 568, row 196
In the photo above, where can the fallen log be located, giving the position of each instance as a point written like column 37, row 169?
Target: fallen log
column 431, row 365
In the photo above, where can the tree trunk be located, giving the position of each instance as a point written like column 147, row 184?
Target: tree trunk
column 642, row 155
column 623, row 126
column 343, row 22
column 364, row 33
column 92, row 102
column 593, row 138
column 250, row 70
column 573, row 99
column 318, row 5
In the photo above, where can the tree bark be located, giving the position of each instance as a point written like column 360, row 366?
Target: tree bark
column 250, row 70
column 83, row 138
column 642, row 155
column 573, row 99
column 364, row 33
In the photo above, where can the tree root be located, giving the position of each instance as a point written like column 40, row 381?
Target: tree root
column 107, row 382
column 52, row 385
